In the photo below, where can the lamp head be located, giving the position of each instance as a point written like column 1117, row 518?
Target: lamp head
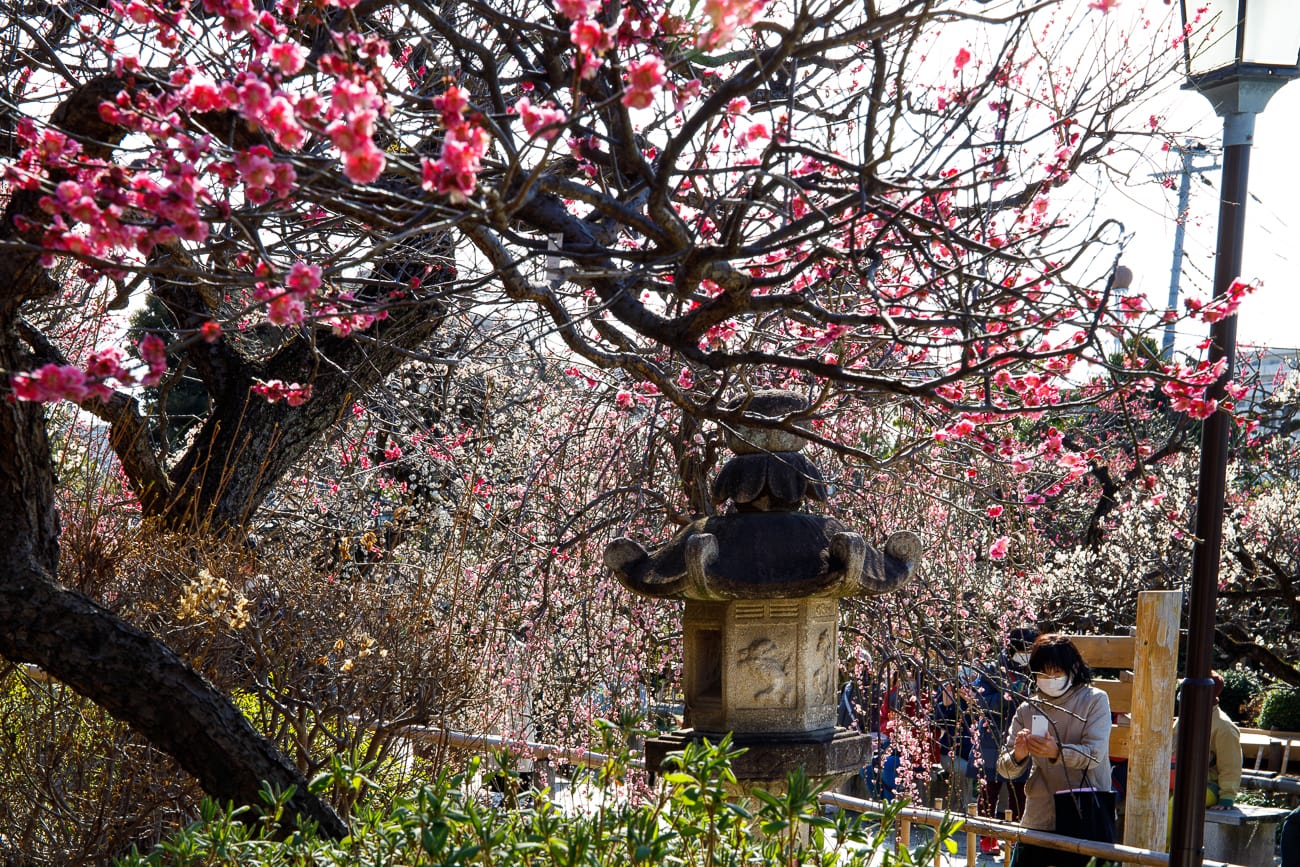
column 1240, row 38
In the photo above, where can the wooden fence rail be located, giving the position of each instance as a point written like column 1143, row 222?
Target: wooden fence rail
column 974, row 825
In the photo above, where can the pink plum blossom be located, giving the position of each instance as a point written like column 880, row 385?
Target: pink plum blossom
column 364, row 165
column 644, row 79
column 287, row 56
column 275, row 390
column 728, row 16
column 998, row 550
column 51, row 383
column 154, row 353
column 576, row 10
column 590, row 36
column 960, row 61
column 543, row 121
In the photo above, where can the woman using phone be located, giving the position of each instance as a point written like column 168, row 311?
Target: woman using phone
column 1062, row 734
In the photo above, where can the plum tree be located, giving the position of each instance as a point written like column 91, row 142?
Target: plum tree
column 867, row 202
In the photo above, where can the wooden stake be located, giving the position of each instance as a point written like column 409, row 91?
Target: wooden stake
column 972, row 842
column 1150, row 735
column 1006, row 845
column 938, row 857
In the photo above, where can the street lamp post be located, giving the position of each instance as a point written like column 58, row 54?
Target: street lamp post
column 1238, row 54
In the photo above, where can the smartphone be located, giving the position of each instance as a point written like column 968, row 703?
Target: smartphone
column 1038, row 726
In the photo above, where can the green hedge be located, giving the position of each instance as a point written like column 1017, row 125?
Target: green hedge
column 1281, row 709
column 1240, row 688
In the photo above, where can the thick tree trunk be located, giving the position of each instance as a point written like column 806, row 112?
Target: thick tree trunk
column 247, row 445
column 133, row 675
column 130, row 673
column 141, row 681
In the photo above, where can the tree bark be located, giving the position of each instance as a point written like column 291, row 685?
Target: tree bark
column 131, row 674
column 141, row 681
column 247, row 445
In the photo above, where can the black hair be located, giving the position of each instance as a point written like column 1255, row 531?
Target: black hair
column 1021, row 638
column 1056, row 651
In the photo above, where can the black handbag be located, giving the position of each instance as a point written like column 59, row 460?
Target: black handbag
column 1086, row 814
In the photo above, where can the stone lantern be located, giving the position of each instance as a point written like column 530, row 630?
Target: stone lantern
column 762, row 585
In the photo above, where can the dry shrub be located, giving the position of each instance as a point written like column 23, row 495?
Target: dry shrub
column 75, row 784
column 324, row 667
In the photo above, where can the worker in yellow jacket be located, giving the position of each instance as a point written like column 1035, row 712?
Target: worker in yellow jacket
column 1224, row 780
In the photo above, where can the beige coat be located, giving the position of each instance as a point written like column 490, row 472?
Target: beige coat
column 1080, row 721
column 1225, row 755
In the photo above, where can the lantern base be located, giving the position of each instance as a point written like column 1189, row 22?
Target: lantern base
column 771, row 757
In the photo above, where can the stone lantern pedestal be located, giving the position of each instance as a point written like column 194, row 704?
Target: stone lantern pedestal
column 761, row 665
column 762, row 587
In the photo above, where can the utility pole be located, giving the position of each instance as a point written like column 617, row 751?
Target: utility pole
column 1188, row 151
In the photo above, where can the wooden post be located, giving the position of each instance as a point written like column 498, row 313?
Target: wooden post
column 938, row 850
column 1155, row 673
column 972, row 841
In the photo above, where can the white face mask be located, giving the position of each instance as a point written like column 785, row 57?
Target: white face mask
column 1021, row 658
column 1052, row 686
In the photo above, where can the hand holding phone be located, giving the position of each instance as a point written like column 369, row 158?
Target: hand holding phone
column 1038, row 726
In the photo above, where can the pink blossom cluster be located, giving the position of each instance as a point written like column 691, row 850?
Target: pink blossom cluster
column 577, row 10
column 1034, row 389
column 355, row 107
column 94, row 379
column 455, row 174
column 587, row 34
column 1133, row 306
column 344, row 322
column 264, row 178
column 165, row 22
column 1220, row 308
column 998, row 550
column 289, row 306
column 585, row 378
column 592, row 40
column 95, row 210
column 644, row 79
column 274, row 391
column 727, row 17
column 642, row 392
column 755, row 133
column 1187, row 390
column 719, row 335
column 43, row 149
column 540, row 120
column 271, row 109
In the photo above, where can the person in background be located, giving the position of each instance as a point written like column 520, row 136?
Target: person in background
column 1289, row 841
column 1017, row 684
column 997, row 698
column 1014, row 662
column 988, row 716
column 952, row 720
column 1073, row 752
column 1224, row 780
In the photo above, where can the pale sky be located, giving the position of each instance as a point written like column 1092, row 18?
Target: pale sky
column 1271, row 251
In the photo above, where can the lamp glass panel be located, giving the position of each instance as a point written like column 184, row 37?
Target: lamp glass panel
column 1213, row 42
column 1272, row 32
